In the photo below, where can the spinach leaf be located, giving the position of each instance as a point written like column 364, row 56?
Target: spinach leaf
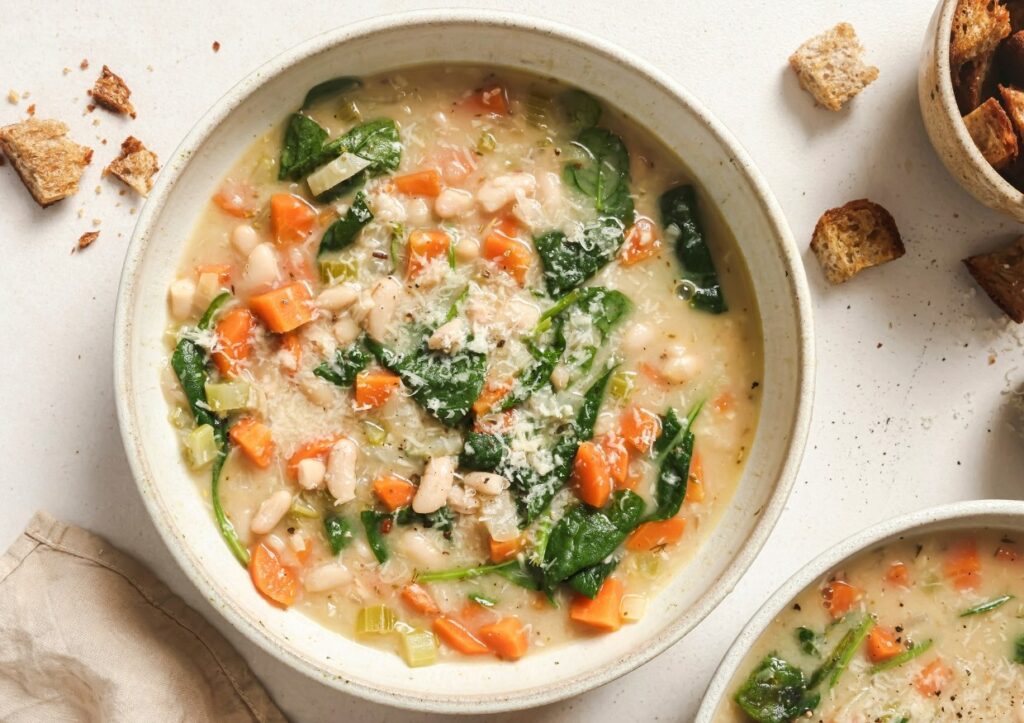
column 483, row 452
column 589, row 580
column 809, row 641
column 1018, row 650
column 339, row 532
column 775, row 692
column 585, row 536
column 905, row 657
column 372, row 522
column 569, row 262
column 444, row 385
column 840, row 657
column 512, row 571
column 601, row 171
column 330, row 87
column 579, row 109
column 212, row 309
column 673, row 450
column 302, row 148
column 443, row 518
column 377, row 141
column 532, row 378
column 679, row 217
column 986, row 607
column 348, row 362
column 345, row 230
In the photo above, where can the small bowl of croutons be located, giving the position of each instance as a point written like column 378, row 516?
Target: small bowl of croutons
column 971, row 89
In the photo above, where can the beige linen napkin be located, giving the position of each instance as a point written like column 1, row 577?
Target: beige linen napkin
column 88, row 634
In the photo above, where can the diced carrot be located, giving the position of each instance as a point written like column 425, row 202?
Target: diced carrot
column 652, row 373
column 223, row 272
column 839, row 597
column 617, row 456
column 724, row 402
column 590, row 475
column 456, row 164
column 883, row 644
column 504, row 550
column 506, row 638
column 642, row 242
column 292, row 348
column 394, row 491
column 963, row 565
column 695, row 483
column 374, row 388
column 640, row 428
column 650, row 535
column 455, row 635
column 234, row 340
column 474, row 615
column 254, row 439
column 492, row 100
column 304, row 555
column 630, row 483
column 503, row 247
column 314, row 449
column 285, row 308
column 898, row 574
column 492, row 393
column 1006, row 554
column 933, row 678
column 603, row 612
column 499, row 423
column 272, row 578
column 237, row 199
column 419, row 599
column 420, row 183
column 291, row 218
column 425, row 246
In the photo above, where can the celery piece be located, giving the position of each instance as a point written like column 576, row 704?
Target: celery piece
column 336, row 172
column 227, row 396
column 419, row 648
column 334, row 270
column 487, row 143
column 375, row 620
column 201, row 446
column 622, row 384
column 633, row 607
column 180, row 418
column 348, row 111
column 301, row 508
column 374, row 432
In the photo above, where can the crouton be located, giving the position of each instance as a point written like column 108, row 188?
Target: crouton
column 978, row 27
column 1001, row 275
column 1016, row 10
column 86, row 239
column 49, row 163
column 855, row 237
column 136, row 166
column 992, row 132
column 111, row 92
column 1011, row 59
column 975, row 83
column 829, row 67
column 1013, row 104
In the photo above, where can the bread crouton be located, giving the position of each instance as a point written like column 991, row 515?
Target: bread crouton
column 978, row 27
column 111, row 92
column 49, row 163
column 1001, row 275
column 1016, row 10
column 992, row 132
column 1011, row 59
column 829, row 67
column 975, row 83
column 1013, row 104
column 855, row 237
column 136, row 166
column 86, row 239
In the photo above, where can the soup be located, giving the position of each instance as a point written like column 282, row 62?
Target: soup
column 925, row 628
column 471, row 368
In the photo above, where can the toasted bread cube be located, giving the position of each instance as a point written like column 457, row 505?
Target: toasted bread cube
column 855, row 237
column 136, row 166
column 86, row 239
column 1016, row 9
column 49, row 163
column 829, row 67
column 1013, row 104
column 978, row 27
column 111, row 92
column 1011, row 58
column 975, row 82
column 1001, row 275
column 992, row 132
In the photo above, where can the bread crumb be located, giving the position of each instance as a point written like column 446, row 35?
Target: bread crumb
column 31, row 110
column 84, row 65
column 13, row 97
column 1001, row 275
column 136, row 166
column 99, row 189
column 216, row 46
column 111, row 92
column 96, row 222
column 95, row 121
column 25, row 95
column 830, row 68
column 855, row 237
column 86, row 239
column 48, row 162
column 149, row 68
column 65, row 71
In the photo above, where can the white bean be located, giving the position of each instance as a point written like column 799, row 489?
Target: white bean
column 453, row 202
column 244, row 238
column 679, row 366
column 467, row 249
column 261, row 268
column 462, row 500
column 182, row 295
column 637, row 337
column 523, row 314
column 207, row 289
column 435, row 485
column 317, row 391
column 385, row 299
column 338, row 298
column 311, row 474
column 326, row 577
column 346, row 330
column 449, row 337
column 341, row 470
column 549, row 188
column 387, row 208
column 418, row 212
column 498, row 192
column 560, row 377
column 270, row 512
column 319, row 336
column 486, row 483
column 419, row 549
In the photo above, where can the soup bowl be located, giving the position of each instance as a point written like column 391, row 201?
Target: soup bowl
column 958, row 516
column 729, row 181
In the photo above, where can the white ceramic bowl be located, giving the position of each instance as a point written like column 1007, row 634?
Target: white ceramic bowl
column 979, row 514
column 946, row 128
column 729, row 181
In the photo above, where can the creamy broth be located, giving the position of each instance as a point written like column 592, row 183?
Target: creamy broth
column 942, row 621
column 451, row 256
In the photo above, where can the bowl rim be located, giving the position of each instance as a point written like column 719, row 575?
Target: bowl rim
column 859, row 542
column 947, row 98
column 780, row 236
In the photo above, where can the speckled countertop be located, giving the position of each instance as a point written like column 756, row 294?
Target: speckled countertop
column 915, row 367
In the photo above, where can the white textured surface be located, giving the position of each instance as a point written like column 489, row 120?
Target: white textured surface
column 914, row 367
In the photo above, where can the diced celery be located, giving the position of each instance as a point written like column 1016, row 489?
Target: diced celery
column 487, row 142
column 200, row 446
column 648, row 564
column 349, row 111
column 537, row 108
column 419, row 648
column 375, row 620
column 633, row 607
column 302, row 508
column 482, row 600
column 375, row 433
column 180, row 418
column 333, row 270
column 337, row 171
column 227, row 396
column 622, row 384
